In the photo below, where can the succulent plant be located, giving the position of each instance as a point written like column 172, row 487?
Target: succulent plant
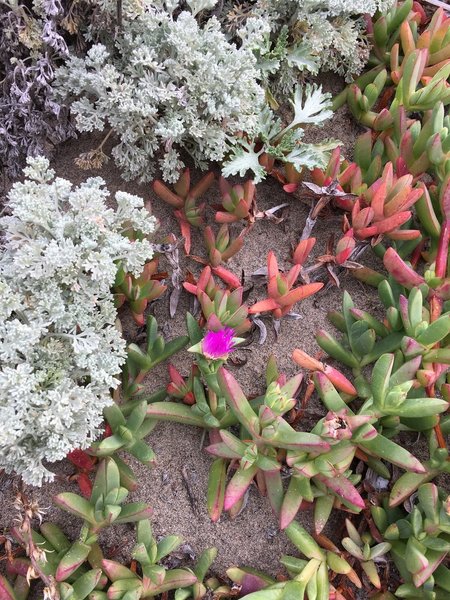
column 140, row 362
column 282, row 295
column 324, row 480
column 221, row 247
column 263, row 434
column 220, row 308
column 71, row 570
column 237, row 201
column 126, row 433
column 105, row 504
column 138, row 291
column 202, row 587
column 361, row 547
column 384, row 207
column 155, row 579
column 180, row 387
column 184, row 201
column 311, row 576
column 419, row 543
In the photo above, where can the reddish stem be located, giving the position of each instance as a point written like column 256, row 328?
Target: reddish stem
column 435, row 307
column 417, row 254
column 442, row 252
column 435, row 312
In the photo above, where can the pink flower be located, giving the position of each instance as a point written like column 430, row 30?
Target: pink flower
column 218, row 344
column 340, row 425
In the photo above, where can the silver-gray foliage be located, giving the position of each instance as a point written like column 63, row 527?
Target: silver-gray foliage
column 60, row 349
column 311, row 35
column 311, row 106
column 167, row 84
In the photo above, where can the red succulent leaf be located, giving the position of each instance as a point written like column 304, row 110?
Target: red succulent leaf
column 300, row 293
column 272, row 265
column 224, row 217
column 263, row 306
column 227, row 276
column 303, row 250
column 85, row 484
column 81, row 459
column 402, row 273
column 290, row 188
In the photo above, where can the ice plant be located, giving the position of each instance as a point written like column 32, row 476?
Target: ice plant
column 138, row 291
column 203, row 587
column 221, row 247
column 217, row 345
column 385, row 28
column 324, row 480
column 362, row 548
column 340, row 179
column 205, row 283
column 79, row 570
column 141, row 361
column 336, row 377
column 419, row 542
column 127, row 435
column 312, row 575
column 282, row 295
column 105, row 504
column 220, row 308
column 361, row 344
column 335, row 259
column 155, row 579
column 255, row 452
column 85, row 465
column 382, row 395
column 238, row 202
column 184, row 201
column 72, row 569
column 180, row 387
column 384, row 207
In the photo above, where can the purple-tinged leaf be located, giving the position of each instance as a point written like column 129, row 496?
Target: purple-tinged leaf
column 238, row 485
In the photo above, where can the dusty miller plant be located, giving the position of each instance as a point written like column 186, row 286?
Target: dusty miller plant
column 166, row 84
column 60, row 349
column 290, row 36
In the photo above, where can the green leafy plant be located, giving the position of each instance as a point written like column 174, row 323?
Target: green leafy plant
column 141, row 361
column 155, row 578
column 419, row 543
column 273, row 142
column 362, row 548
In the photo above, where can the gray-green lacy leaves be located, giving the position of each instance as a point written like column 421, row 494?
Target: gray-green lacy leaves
column 60, row 351
column 169, row 85
column 311, row 107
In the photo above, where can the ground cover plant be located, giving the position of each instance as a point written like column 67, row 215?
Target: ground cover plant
column 352, row 432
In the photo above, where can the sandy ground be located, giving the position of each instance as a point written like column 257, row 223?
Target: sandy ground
column 251, row 539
